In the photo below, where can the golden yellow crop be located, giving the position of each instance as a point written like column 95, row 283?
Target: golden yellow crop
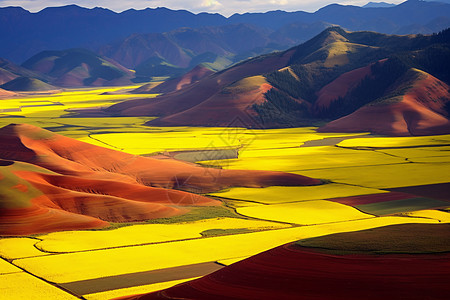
column 70, row 241
column 6, row 268
column 283, row 194
column 438, row 151
column 19, row 286
column 386, row 176
column 305, row 158
column 305, row 213
column 142, row 143
column 13, row 248
column 441, row 216
column 379, row 142
column 70, row 267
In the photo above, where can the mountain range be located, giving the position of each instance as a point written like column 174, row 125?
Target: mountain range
column 353, row 81
column 24, row 34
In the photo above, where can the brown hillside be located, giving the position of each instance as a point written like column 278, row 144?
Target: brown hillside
column 6, row 94
column 419, row 110
column 232, row 106
column 199, row 92
column 6, row 76
column 176, row 84
column 340, row 86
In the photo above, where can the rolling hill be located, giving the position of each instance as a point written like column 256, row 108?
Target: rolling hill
column 177, row 83
column 78, row 67
column 49, row 182
column 175, row 52
column 182, row 100
column 6, row 94
column 10, row 71
column 183, row 47
column 417, row 107
column 329, row 77
column 27, row 84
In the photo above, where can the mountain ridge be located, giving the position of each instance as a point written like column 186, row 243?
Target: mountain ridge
column 29, row 33
column 293, row 81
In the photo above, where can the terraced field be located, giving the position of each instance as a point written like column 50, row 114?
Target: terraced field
column 370, row 182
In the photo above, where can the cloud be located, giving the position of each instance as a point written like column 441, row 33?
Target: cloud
column 223, row 7
column 211, row 4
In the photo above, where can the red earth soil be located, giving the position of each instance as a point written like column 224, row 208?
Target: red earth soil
column 294, row 272
column 40, row 217
column 374, row 198
column 176, row 84
column 420, row 111
column 107, row 185
column 222, row 109
column 203, row 90
column 340, row 86
column 6, row 94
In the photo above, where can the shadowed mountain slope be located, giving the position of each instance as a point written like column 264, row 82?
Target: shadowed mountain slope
column 176, row 84
column 27, row 84
column 78, row 67
column 72, row 26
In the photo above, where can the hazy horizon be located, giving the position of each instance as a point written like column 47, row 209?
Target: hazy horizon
column 195, row 6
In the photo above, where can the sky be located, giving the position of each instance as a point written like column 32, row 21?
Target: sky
column 224, row 7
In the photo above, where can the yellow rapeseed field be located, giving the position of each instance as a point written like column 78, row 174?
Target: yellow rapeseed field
column 284, row 194
column 386, row 176
column 13, row 248
column 381, row 142
column 441, row 216
column 19, row 286
column 305, row 212
column 63, row 268
column 7, row 268
column 71, row 241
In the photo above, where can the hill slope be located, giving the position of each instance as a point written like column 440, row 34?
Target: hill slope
column 26, row 84
column 78, row 67
column 326, row 78
column 417, row 108
column 176, row 84
column 195, row 94
column 6, row 94
column 10, row 71
column 186, row 47
column 49, row 182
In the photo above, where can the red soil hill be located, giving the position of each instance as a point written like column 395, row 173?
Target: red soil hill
column 68, row 176
column 176, row 84
column 418, row 111
column 6, row 94
column 195, row 94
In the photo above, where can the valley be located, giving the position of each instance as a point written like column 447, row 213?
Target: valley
column 362, row 177
column 163, row 154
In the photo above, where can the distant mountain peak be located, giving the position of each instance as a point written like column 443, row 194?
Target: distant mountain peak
column 378, row 5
